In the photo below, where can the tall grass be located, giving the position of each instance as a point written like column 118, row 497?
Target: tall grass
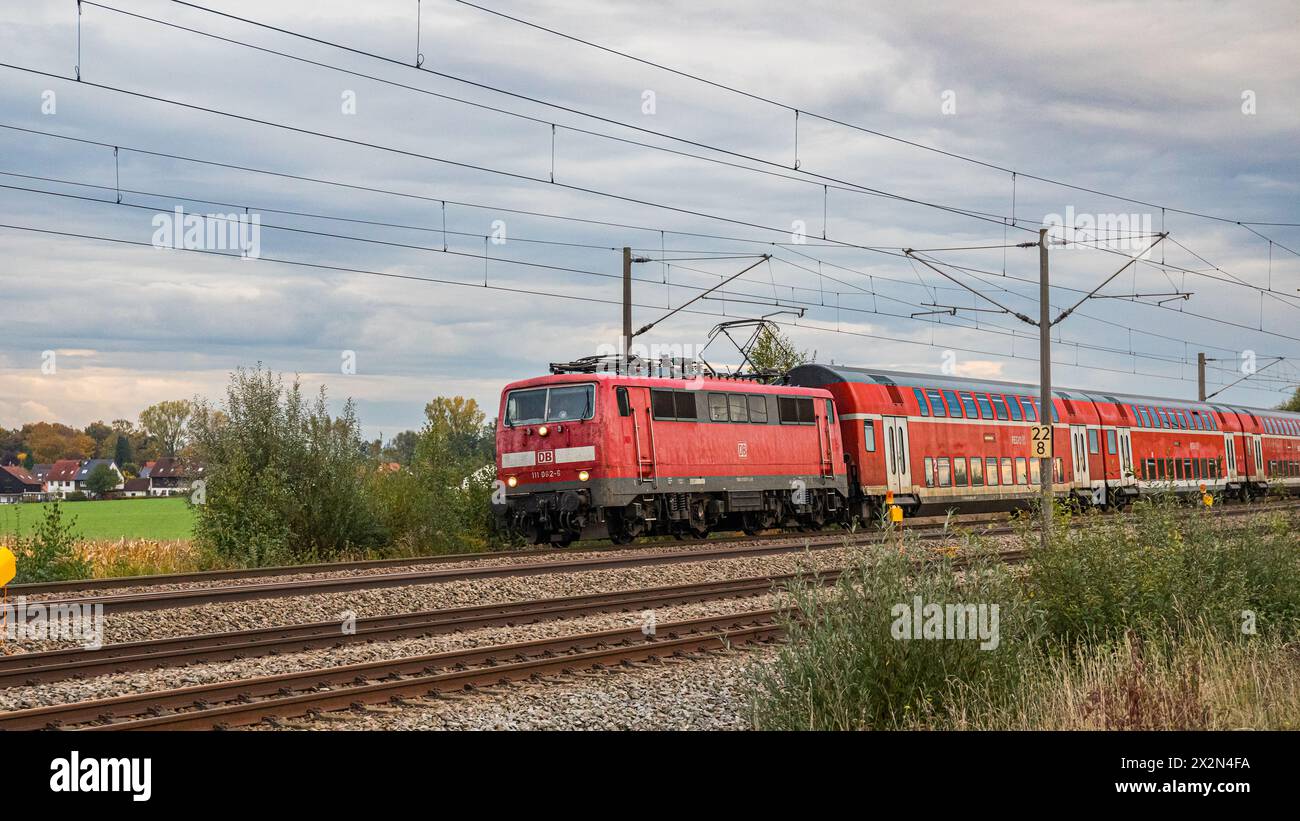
column 1168, row 618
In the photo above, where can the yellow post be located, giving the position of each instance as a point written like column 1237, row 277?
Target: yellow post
column 8, row 566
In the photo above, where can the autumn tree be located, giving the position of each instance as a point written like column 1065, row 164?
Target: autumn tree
column 1292, row 404
column 775, row 352
column 168, row 422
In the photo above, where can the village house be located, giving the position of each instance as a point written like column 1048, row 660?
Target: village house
column 18, row 485
column 88, row 467
column 62, row 478
column 172, row 475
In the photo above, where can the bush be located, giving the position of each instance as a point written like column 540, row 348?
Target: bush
column 844, row 667
column 284, row 479
column 1166, row 565
column 50, row 552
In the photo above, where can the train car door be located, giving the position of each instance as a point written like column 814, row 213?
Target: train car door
column 1127, row 476
column 824, row 424
column 1229, row 458
column 1257, row 447
column 897, row 453
column 1079, row 450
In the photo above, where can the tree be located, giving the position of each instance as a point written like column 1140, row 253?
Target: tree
column 1292, row 404
column 284, row 478
column 401, row 448
column 168, row 423
column 49, row 442
column 122, row 451
column 100, row 432
column 101, row 480
column 775, row 352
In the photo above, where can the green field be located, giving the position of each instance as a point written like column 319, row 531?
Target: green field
column 112, row 519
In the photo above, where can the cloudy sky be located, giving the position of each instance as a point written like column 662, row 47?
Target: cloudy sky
column 1181, row 107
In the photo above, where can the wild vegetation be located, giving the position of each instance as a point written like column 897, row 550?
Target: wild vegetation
column 1170, row 618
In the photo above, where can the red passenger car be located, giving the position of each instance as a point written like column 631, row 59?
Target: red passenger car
column 942, row 442
column 586, row 454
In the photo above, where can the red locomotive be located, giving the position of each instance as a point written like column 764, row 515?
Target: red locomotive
column 594, row 455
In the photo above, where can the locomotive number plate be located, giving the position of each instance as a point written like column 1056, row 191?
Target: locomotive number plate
column 1040, row 446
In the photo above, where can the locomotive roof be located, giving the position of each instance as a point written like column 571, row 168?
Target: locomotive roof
column 821, row 375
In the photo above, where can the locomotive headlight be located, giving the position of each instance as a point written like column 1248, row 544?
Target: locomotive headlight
column 542, row 430
column 583, row 476
column 512, row 481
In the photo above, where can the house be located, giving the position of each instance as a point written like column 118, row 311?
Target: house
column 17, row 485
column 133, row 488
column 41, row 472
column 172, row 475
column 62, row 478
column 88, row 467
column 146, row 469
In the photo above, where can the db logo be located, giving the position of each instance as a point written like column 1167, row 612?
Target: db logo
column 742, row 450
column 545, row 457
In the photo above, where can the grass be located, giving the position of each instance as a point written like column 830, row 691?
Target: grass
column 159, row 519
column 1170, row 620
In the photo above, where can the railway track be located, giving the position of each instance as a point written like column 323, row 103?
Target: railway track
column 249, row 701
column 623, row 557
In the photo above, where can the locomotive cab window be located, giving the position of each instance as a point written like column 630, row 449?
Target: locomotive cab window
column 624, row 404
column 560, row 404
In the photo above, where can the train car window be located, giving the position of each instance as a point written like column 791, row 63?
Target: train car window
column 902, row 451
column 1000, row 406
column 739, row 409
column 624, row 404
column 968, row 403
column 1146, row 420
column 985, row 408
column 1022, row 471
column 929, row 472
column 954, row 407
column 830, row 411
column 1093, row 444
column 1031, row 412
column 1007, row 478
column 992, row 473
column 1059, row 468
column 1148, row 469
column 717, row 407
column 1205, row 468
column 1186, row 423
column 688, row 409
column 869, row 435
column 976, row 471
column 1178, row 468
column 662, row 405
column 920, row 401
column 758, row 409
column 945, row 471
column 1014, row 404
column 959, row 471
column 788, row 410
column 936, row 402
column 1035, row 471
column 807, row 412
column 1110, row 441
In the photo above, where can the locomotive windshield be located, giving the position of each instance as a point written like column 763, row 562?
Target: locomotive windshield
column 559, row 404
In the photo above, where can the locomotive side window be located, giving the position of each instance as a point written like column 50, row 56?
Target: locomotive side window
column 758, row 409
column 687, row 409
column 624, row 405
column 869, row 435
column 717, row 407
column 985, row 408
column 739, row 410
column 968, row 402
column 662, row 404
column 830, row 411
column 936, row 402
column 807, row 412
column 920, row 401
column 953, row 407
column 788, row 409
